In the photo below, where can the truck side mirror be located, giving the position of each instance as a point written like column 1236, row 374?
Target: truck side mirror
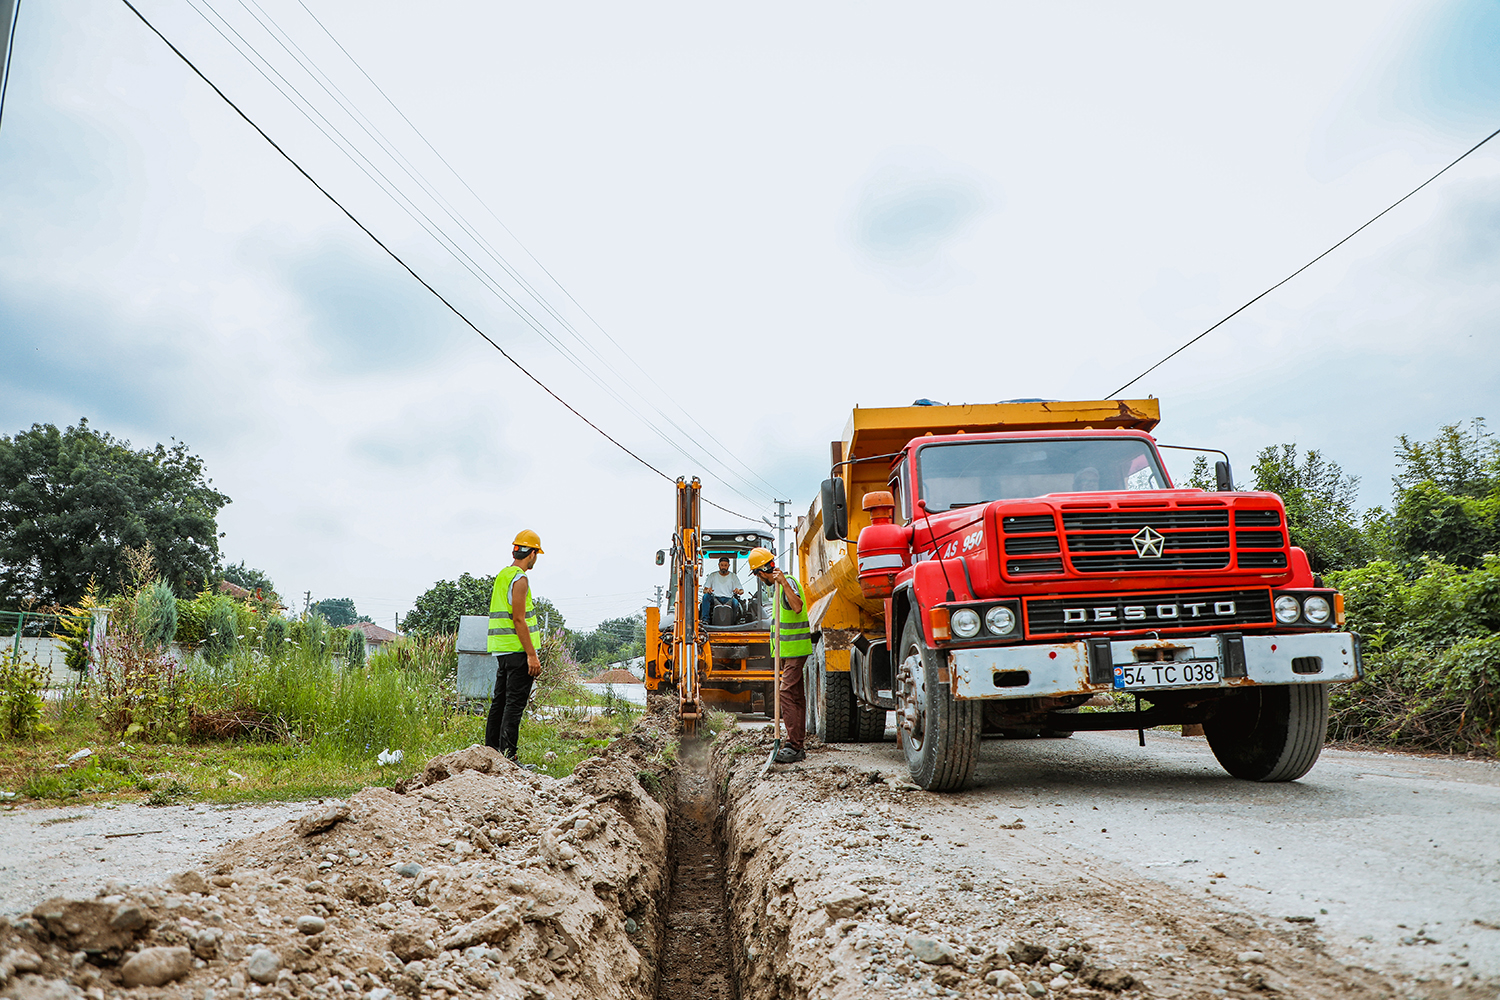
column 835, row 511
column 1223, row 478
column 661, row 556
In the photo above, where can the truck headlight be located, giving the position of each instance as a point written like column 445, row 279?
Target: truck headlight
column 1316, row 610
column 1287, row 609
column 1000, row 620
column 964, row 623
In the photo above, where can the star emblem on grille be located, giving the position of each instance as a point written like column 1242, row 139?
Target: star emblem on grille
column 1147, row 543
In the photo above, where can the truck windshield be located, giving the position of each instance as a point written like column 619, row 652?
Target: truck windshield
column 960, row 475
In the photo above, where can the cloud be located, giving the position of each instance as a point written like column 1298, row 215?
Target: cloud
column 910, row 211
column 360, row 312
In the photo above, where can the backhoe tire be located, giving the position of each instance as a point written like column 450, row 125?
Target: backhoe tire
column 1271, row 733
column 834, row 699
column 939, row 734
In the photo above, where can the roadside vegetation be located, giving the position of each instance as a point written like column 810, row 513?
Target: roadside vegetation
column 232, row 702
column 1421, row 584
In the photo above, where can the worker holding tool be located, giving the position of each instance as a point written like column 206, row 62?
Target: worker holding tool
column 791, row 643
column 512, row 640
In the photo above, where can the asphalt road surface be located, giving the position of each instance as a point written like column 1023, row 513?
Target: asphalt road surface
column 1394, row 856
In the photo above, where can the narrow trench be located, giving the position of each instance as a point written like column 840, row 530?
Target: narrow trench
column 697, row 962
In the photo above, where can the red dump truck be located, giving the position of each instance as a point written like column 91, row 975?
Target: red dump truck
column 991, row 569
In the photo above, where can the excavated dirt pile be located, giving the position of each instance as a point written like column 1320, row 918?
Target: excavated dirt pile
column 474, row 878
column 849, row 882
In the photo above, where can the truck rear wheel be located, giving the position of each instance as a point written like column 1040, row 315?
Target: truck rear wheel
column 1271, row 733
column 869, row 724
column 832, row 701
column 939, row 734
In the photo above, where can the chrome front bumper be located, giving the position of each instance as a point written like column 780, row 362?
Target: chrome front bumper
column 1067, row 668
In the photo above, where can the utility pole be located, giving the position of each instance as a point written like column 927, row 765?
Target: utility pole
column 306, row 602
column 658, row 595
column 781, row 552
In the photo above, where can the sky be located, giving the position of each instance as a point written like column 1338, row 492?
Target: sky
column 712, row 232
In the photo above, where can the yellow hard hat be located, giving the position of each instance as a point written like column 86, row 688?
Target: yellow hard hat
column 759, row 557
column 528, row 539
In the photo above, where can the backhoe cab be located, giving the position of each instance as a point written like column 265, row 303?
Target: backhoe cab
column 721, row 660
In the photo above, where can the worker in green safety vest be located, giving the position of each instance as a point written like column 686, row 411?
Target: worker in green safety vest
column 512, row 640
column 792, row 641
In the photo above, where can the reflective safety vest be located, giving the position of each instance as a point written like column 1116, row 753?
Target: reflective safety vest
column 793, row 635
column 502, row 636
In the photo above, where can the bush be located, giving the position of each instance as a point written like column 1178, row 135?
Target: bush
column 1448, row 703
column 220, row 630
column 156, row 613
column 22, row 681
column 273, row 636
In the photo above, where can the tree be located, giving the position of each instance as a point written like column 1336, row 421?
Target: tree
column 1319, row 501
column 72, row 502
column 612, row 639
column 1459, row 464
column 445, row 602
column 252, row 580
column 337, row 611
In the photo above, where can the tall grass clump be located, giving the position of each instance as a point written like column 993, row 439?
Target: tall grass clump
column 354, row 648
column 155, row 609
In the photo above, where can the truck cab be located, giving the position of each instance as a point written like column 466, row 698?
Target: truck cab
column 1018, row 566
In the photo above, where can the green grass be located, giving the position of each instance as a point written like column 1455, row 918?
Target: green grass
column 318, row 729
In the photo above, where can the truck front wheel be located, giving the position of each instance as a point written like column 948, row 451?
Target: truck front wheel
column 939, row 734
column 1271, row 733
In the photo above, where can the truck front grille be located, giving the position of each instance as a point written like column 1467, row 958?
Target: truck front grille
column 1155, row 611
column 1122, row 540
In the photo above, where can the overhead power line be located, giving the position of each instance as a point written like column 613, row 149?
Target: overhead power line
column 397, row 257
column 1304, row 267
column 550, row 276
column 289, row 90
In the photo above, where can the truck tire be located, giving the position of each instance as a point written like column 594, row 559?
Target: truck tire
column 1271, row 733
column 869, row 724
column 833, row 698
column 939, row 735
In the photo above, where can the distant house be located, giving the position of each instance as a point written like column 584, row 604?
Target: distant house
column 375, row 636
column 239, row 593
column 234, row 590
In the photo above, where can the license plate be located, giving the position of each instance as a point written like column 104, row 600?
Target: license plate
column 1167, row 674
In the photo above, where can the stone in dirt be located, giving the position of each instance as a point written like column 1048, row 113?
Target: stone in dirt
column 411, row 946
column 263, row 966
column 844, row 901
column 1027, row 952
column 1114, row 980
column 128, row 917
column 408, row 869
column 931, row 951
column 311, row 924
column 83, row 925
column 185, row 882
column 485, row 760
column 156, row 966
column 321, row 819
column 364, row 890
column 40, row 988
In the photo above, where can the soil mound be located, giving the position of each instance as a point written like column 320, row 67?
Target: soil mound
column 617, row 677
column 479, row 879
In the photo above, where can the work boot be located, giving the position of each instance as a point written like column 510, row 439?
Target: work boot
column 789, row 755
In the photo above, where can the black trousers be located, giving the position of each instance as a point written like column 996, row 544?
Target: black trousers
column 502, row 730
